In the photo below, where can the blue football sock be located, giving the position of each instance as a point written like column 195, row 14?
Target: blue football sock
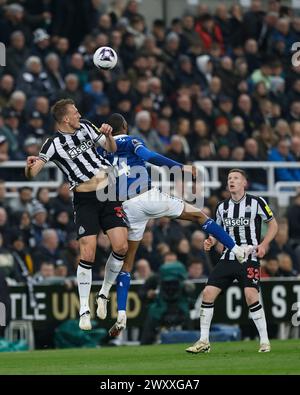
column 123, row 284
column 211, row 227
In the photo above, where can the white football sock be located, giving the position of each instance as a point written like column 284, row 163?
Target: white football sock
column 84, row 280
column 112, row 269
column 258, row 315
column 206, row 315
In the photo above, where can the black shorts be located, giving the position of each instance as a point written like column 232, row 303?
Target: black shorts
column 248, row 274
column 91, row 215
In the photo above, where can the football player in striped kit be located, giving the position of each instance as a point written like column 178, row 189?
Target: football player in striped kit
column 73, row 149
column 241, row 216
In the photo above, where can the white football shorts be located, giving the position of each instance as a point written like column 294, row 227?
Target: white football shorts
column 150, row 204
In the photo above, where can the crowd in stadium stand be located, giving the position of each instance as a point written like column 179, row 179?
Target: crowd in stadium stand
column 212, row 85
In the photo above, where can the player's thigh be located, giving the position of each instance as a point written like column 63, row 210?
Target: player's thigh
column 87, row 247
column 113, row 223
column 136, row 218
column 222, row 275
column 250, row 275
column 160, row 204
column 86, row 218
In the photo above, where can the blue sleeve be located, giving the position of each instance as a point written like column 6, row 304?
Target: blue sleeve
column 154, row 158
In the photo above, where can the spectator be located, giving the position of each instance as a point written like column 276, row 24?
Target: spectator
column 11, row 134
column 164, row 131
column 282, row 154
column 4, row 149
column 142, row 270
column 34, row 81
column 63, row 225
column 6, row 88
column 209, row 31
column 293, row 217
column 63, row 201
column 23, row 202
column 4, row 201
column 13, row 20
column 55, row 75
column 144, row 131
column 17, row 53
column 4, row 227
column 39, row 222
column 228, row 77
column 196, row 269
column 48, row 250
column 22, row 257
column 42, row 106
column 270, row 267
column 43, row 198
column 73, row 91
column 253, row 20
column 147, row 251
column 41, row 44
column 295, row 148
column 286, row 266
column 35, row 127
column 257, row 177
column 238, row 128
column 183, row 251
column 197, row 241
column 176, row 151
column 46, row 274
column 168, row 231
column 70, row 255
column 281, row 244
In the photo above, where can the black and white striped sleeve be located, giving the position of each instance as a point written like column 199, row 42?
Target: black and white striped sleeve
column 264, row 210
column 94, row 133
column 47, row 151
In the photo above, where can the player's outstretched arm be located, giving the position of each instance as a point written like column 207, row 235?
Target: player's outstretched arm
column 155, row 158
column 160, row 160
column 263, row 247
column 33, row 166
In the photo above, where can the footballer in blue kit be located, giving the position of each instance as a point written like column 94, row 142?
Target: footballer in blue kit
column 141, row 202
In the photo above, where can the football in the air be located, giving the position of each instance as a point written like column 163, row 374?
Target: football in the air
column 105, row 58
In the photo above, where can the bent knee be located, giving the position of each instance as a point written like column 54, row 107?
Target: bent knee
column 120, row 248
column 209, row 294
column 251, row 295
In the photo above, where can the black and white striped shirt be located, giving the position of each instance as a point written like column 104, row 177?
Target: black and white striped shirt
column 75, row 154
column 242, row 220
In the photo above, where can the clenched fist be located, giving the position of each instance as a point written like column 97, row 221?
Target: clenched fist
column 31, row 161
column 208, row 243
column 106, row 129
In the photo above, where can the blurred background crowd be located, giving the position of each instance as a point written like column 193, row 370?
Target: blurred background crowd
column 215, row 84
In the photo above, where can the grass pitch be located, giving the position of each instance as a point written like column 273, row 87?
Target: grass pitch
column 224, row 358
